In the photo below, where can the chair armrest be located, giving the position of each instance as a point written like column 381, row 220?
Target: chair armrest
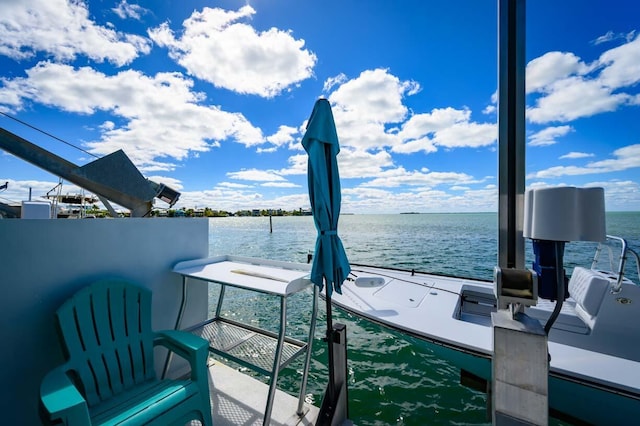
column 61, row 399
column 188, row 346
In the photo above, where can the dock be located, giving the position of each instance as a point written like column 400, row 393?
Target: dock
column 238, row 399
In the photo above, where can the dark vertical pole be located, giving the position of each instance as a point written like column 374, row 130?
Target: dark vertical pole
column 334, row 409
column 511, row 131
column 330, row 343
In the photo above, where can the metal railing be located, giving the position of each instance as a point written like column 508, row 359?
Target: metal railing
column 619, row 271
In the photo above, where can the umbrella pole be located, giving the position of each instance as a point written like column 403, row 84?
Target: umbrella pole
column 330, row 348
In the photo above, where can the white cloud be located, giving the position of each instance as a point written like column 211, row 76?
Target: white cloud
column 576, row 155
column 125, row 10
column 164, row 118
column 298, row 164
column 446, row 127
column 573, row 98
column 401, row 177
column 619, row 194
column 284, row 135
column 490, row 109
column 271, row 149
column 367, row 110
column 467, row 135
column 234, row 185
column 280, row 185
column 604, row 38
column 222, row 198
column 331, row 82
column 425, row 145
column 565, row 88
column 172, row 183
column 625, row 158
column 215, row 47
column 365, row 106
column 64, row 30
column 107, row 125
column 621, row 65
column 374, row 96
column 256, row 175
column 438, row 119
column 610, row 36
column 549, row 135
column 549, row 68
column 353, row 163
column 358, row 163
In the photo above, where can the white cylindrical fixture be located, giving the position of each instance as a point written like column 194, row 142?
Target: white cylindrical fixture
column 565, row 214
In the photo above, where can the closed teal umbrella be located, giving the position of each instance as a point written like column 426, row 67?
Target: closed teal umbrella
column 330, row 264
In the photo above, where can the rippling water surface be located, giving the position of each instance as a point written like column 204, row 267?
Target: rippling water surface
column 394, row 379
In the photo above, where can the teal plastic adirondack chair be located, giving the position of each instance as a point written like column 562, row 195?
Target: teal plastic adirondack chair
column 109, row 377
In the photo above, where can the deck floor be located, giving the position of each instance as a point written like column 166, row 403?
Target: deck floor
column 237, row 399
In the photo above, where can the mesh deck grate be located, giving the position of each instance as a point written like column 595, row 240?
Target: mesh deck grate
column 246, row 345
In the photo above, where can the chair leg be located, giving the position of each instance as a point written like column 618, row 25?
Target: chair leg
column 206, row 419
column 206, row 416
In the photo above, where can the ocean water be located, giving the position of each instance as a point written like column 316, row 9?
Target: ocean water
column 394, row 379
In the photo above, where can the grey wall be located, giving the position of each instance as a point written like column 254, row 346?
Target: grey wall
column 43, row 262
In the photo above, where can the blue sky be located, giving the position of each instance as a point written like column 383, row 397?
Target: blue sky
column 212, row 97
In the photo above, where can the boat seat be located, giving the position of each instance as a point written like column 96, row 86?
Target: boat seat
column 568, row 319
column 587, row 287
column 578, row 314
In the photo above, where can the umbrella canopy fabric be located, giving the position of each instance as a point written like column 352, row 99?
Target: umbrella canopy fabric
column 330, row 262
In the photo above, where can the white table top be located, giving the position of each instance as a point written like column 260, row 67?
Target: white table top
column 262, row 275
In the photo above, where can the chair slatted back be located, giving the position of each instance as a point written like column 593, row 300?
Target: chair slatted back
column 108, row 338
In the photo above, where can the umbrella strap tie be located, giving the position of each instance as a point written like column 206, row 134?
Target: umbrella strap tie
column 328, row 232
